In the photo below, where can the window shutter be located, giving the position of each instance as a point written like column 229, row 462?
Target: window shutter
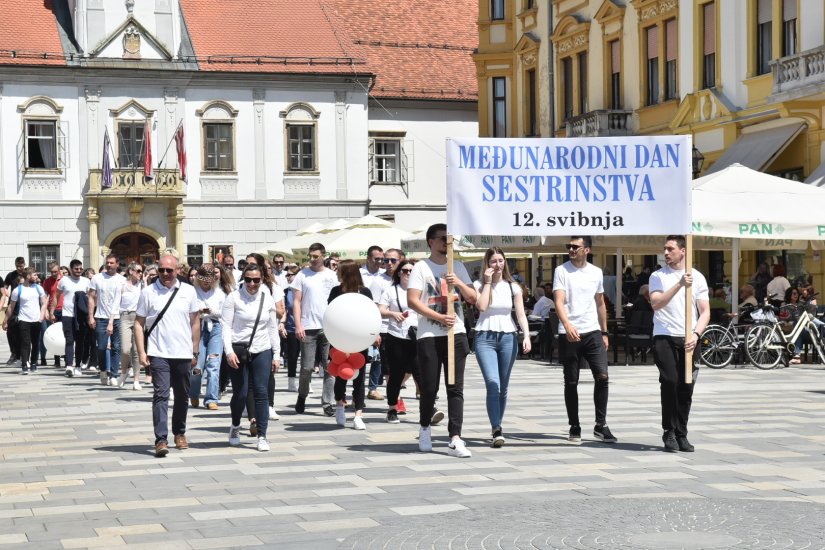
column 22, row 159
column 710, row 29
column 63, row 145
column 615, row 57
column 652, row 42
column 763, row 12
column 407, row 161
column 371, row 161
column 671, row 46
column 789, row 10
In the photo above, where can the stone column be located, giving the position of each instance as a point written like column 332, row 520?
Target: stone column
column 175, row 218
column 94, row 138
column 341, row 145
column 258, row 102
column 94, row 236
column 170, row 124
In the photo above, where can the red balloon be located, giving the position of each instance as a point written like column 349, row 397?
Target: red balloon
column 337, row 356
column 333, row 369
column 346, row 372
column 356, row 360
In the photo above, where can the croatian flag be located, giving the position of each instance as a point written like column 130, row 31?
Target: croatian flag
column 148, row 169
column 107, row 161
column 181, row 148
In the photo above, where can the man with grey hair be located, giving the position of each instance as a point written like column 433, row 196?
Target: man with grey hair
column 167, row 336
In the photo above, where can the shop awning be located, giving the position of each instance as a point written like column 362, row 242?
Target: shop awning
column 759, row 145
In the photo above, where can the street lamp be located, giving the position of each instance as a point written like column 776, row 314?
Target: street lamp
column 698, row 162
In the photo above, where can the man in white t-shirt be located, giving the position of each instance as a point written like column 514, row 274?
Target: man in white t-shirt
column 73, row 333
column 104, row 318
column 377, row 285
column 667, row 297
column 579, row 294
column 311, row 288
column 172, row 349
column 371, row 272
column 31, row 302
column 427, row 295
column 278, row 271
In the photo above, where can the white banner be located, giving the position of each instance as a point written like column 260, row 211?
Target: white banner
column 638, row 185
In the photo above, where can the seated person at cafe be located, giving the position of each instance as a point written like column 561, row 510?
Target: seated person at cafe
column 642, row 301
column 543, row 306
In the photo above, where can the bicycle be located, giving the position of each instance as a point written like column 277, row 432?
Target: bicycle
column 768, row 343
column 719, row 343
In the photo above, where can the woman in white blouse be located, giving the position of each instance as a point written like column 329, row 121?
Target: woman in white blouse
column 129, row 295
column 252, row 346
column 497, row 341
column 211, row 292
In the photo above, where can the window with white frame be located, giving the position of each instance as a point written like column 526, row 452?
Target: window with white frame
column 218, row 136
column 131, row 141
column 41, row 254
column 389, row 158
column 42, row 144
column 300, row 129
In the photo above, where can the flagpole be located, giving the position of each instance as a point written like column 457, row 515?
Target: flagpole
column 169, row 144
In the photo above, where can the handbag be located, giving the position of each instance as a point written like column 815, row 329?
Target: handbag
column 412, row 332
column 157, row 320
column 519, row 332
column 241, row 349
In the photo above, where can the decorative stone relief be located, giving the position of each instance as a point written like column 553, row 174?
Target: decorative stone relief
column 40, row 187
column 219, row 187
column 303, row 187
column 131, row 43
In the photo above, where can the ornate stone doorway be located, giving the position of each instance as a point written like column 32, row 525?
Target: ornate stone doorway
column 135, row 247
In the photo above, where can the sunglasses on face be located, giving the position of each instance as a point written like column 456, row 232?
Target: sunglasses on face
column 574, row 247
column 278, row 263
column 166, row 270
column 391, row 260
column 252, row 280
column 138, row 271
column 406, row 271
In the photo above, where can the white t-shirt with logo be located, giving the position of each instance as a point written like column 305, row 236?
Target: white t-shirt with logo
column 498, row 315
column 429, row 277
column 670, row 320
column 29, row 300
column 314, row 287
column 172, row 338
column 580, row 287
column 68, row 286
column 378, row 287
column 395, row 298
column 107, row 289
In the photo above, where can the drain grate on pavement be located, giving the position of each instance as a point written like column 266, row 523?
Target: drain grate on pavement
column 634, row 523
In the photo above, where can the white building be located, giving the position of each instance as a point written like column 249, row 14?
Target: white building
column 275, row 104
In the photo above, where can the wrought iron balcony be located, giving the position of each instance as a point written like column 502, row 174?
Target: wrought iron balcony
column 600, row 123
column 129, row 182
column 802, row 72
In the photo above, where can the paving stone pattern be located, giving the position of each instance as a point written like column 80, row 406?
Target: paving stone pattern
column 77, row 470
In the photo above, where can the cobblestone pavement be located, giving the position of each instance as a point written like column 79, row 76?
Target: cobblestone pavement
column 77, row 470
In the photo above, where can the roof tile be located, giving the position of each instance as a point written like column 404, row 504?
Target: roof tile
column 28, row 33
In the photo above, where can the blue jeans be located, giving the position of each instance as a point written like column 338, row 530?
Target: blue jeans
column 209, row 361
column 496, row 353
column 258, row 369
column 113, row 364
column 376, row 369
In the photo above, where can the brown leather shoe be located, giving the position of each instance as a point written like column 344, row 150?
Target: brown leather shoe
column 161, row 449
column 195, row 402
column 212, row 406
column 180, row 442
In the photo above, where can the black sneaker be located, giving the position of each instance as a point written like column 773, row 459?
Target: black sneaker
column 575, row 433
column 42, row 361
column 392, row 417
column 438, row 416
column 684, row 444
column 300, row 404
column 329, row 410
column 24, row 370
column 498, row 438
column 603, row 433
column 669, row 439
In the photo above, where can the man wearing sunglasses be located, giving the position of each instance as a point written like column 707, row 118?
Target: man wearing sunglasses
column 278, row 271
column 172, row 348
column 579, row 294
column 379, row 284
column 73, row 332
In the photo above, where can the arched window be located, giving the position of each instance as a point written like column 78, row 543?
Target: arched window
column 218, row 136
column 301, row 137
column 43, row 142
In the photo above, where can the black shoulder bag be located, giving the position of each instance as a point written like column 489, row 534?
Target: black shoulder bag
column 241, row 349
column 146, row 333
column 412, row 332
column 519, row 332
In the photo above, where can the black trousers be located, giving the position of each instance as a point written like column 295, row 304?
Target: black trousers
column 588, row 352
column 432, row 356
column 403, row 358
column 293, row 347
column 677, row 396
column 29, row 338
column 358, row 382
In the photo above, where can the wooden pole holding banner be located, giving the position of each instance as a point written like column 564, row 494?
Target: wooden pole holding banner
column 450, row 311
column 688, row 309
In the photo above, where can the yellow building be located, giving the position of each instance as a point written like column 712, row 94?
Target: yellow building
column 745, row 77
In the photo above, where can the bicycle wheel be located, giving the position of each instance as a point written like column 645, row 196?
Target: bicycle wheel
column 763, row 346
column 716, row 347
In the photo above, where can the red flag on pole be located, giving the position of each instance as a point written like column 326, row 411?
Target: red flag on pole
column 181, row 148
column 148, row 169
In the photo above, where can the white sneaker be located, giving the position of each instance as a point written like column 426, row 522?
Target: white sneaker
column 70, row 372
column 273, row 415
column 135, row 385
column 340, row 415
column 104, row 377
column 234, row 435
column 458, row 449
column 310, row 388
column 358, row 423
column 292, row 384
column 263, row 444
column 121, row 381
column 78, row 372
column 114, row 381
column 425, row 440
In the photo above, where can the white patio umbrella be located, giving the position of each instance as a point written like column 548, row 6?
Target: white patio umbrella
column 352, row 244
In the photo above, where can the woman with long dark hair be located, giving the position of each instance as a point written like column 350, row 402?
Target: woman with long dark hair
column 211, row 297
column 496, row 341
column 350, row 278
column 129, row 296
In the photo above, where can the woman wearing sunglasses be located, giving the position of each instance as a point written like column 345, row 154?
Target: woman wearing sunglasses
column 252, row 345
column 349, row 276
column 129, row 295
column 401, row 334
column 211, row 293
column 496, row 342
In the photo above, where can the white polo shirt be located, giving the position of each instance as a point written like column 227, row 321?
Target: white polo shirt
column 108, row 289
column 172, row 338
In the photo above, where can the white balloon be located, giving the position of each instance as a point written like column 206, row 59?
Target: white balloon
column 352, row 322
column 54, row 340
